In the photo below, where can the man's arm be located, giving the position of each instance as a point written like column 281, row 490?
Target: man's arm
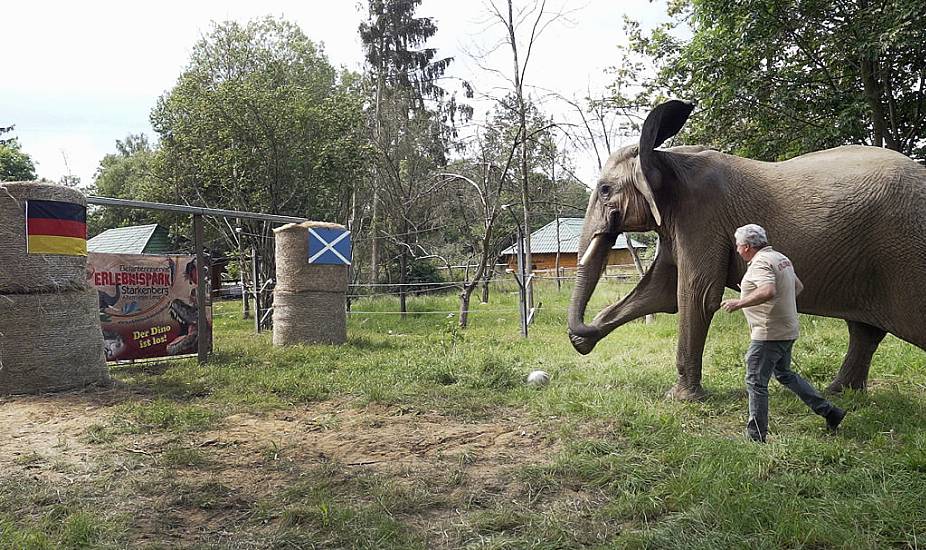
column 798, row 286
column 758, row 296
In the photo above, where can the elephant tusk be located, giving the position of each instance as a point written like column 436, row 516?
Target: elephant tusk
column 590, row 251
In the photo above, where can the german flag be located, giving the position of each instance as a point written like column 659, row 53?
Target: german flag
column 54, row 227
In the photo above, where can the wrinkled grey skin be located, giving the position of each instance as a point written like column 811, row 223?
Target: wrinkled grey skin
column 851, row 219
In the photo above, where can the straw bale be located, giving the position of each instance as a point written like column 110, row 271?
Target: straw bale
column 294, row 272
column 22, row 273
column 309, row 318
column 50, row 342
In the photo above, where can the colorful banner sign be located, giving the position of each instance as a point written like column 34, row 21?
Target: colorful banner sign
column 147, row 304
column 328, row 245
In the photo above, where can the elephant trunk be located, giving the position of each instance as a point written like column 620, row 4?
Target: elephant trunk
column 584, row 337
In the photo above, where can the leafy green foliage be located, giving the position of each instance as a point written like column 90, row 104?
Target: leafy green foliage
column 239, row 126
column 393, row 42
column 15, row 164
column 410, row 123
column 777, row 78
column 260, row 121
column 133, row 172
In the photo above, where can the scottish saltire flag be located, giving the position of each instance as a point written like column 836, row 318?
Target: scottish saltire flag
column 328, row 245
column 55, row 227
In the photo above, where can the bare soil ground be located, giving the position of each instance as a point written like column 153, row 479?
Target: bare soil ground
column 248, row 459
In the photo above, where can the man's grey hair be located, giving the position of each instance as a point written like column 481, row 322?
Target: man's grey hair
column 752, row 235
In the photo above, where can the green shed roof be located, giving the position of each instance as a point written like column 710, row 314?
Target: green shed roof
column 137, row 239
column 544, row 239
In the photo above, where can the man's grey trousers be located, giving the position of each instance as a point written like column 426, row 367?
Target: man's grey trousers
column 767, row 357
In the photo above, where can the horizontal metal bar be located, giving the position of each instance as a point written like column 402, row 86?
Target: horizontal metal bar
column 125, row 203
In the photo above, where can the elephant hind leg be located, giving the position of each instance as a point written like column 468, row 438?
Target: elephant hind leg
column 863, row 341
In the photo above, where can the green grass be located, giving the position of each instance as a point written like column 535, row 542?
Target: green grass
column 632, row 470
column 41, row 515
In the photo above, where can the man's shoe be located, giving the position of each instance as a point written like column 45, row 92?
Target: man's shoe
column 834, row 417
column 753, row 432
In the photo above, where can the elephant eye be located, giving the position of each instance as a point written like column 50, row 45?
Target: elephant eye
column 604, row 190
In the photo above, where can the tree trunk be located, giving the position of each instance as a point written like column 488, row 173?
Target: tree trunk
column 464, row 303
column 403, row 271
column 485, row 284
column 525, row 203
column 377, row 174
column 480, row 271
column 522, row 122
column 880, row 134
column 559, row 282
column 374, row 237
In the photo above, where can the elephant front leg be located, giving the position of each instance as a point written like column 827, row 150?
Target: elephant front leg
column 696, row 309
column 863, row 341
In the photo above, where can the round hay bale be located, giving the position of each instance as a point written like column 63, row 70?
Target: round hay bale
column 309, row 318
column 50, row 342
column 294, row 272
column 20, row 272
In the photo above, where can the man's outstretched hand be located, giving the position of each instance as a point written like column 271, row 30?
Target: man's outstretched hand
column 731, row 305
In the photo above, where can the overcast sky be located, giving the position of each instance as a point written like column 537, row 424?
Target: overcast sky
column 77, row 76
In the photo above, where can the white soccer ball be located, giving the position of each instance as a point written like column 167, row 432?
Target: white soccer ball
column 538, row 378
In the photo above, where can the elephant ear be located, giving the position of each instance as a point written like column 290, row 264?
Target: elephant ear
column 662, row 123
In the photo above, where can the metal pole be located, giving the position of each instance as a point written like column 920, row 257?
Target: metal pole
column 255, row 270
column 559, row 281
column 203, row 330
column 242, row 274
column 522, row 288
column 125, row 203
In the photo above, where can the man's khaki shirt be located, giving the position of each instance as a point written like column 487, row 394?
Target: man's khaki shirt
column 775, row 319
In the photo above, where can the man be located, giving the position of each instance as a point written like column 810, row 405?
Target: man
column 768, row 299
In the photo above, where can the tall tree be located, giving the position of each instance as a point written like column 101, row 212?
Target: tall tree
column 15, row 164
column 776, row 78
column 261, row 121
column 408, row 133
column 536, row 17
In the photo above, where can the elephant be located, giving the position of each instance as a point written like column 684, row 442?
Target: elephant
column 852, row 220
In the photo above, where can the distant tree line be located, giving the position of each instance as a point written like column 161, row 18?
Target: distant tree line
column 260, row 120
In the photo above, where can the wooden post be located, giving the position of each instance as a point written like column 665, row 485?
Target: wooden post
column 203, row 330
column 649, row 318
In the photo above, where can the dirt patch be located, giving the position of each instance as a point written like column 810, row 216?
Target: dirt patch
column 255, row 457
column 390, row 439
column 45, row 434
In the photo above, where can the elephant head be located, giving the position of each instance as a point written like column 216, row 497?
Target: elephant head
column 626, row 198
